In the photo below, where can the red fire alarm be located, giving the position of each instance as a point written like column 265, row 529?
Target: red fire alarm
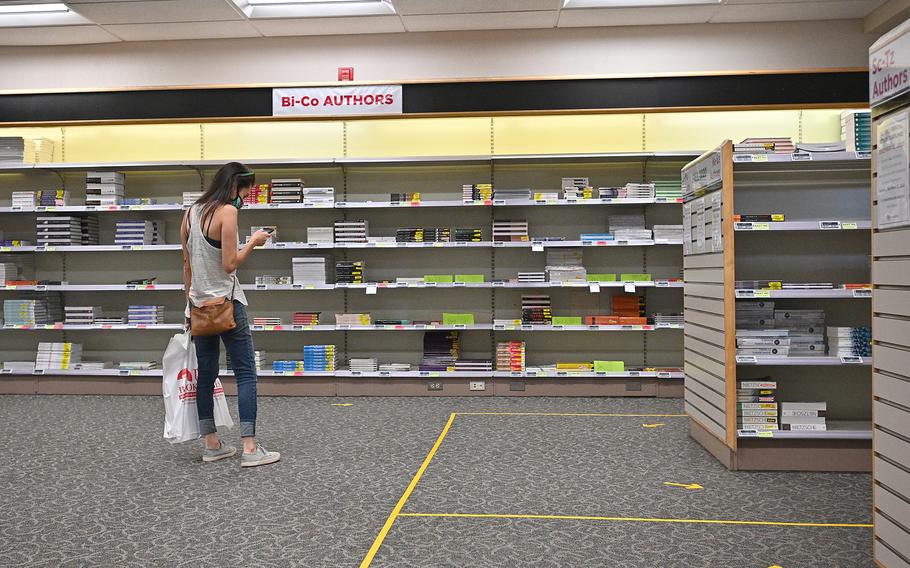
column 345, row 73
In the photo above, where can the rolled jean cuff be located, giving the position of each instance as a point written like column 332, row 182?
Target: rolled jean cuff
column 247, row 429
column 207, row 426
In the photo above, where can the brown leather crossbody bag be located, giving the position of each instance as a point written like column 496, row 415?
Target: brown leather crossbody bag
column 215, row 316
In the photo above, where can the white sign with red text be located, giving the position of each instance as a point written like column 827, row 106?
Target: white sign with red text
column 889, row 65
column 323, row 101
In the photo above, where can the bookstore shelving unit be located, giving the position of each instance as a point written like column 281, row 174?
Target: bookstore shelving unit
column 891, row 309
column 824, row 238
column 97, row 275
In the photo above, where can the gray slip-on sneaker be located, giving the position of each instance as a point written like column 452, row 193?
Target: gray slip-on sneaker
column 221, row 453
column 260, row 457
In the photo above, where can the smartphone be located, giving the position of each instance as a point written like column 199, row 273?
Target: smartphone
column 269, row 230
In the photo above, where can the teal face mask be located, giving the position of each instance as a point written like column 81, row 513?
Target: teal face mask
column 237, row 202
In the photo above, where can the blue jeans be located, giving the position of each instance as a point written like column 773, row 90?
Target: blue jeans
column 239, row 344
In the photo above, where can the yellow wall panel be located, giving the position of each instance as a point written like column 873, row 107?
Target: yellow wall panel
column 274, row 140
column 135, row 142
column 576, row 134
column 702, row 131
column 821, row 125
column 54, row 134
column 418, row 137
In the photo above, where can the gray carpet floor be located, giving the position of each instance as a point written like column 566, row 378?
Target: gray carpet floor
column 88, row 481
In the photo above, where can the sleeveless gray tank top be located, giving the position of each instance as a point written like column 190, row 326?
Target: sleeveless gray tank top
column 209, row 279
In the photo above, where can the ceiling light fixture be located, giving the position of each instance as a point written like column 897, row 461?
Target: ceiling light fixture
column 304, row 2
column 570, row 4
column 33, row 8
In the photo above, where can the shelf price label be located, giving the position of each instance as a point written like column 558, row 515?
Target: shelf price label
column 594, row 288
column 765, row 434
column 742, row 158
column 863, row 155
column 829, row 225
column 663, row 374
column 851, row 360
column 537, row 246
column 747, row 226
column 852, row 226
column 862, row 293
column 746, row 359
column 800, row 157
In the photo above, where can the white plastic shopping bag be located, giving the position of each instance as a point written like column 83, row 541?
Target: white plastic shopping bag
column 181, row 371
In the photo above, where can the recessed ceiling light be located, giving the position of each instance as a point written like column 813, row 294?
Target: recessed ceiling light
column 33, row 8
column 285, row 2
column 632, row 3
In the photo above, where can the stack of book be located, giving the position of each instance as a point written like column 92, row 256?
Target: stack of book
column 19, row 366
column 477, row 192
column 638, row 190
column 258, row 195
column 320, row 234
column 669, row 319
column 806, row 416
column 25, row 199
column 110, row 320
column 258, row 359
column 535, row 309
column 395, row 367
column 191, row 197
column 306, row 318
column 565, row 265
column 319, row 196
column 409, row 235
column 12, row 149
column 353, row 319
column 440, row 350
column 9, row 271
column 139, row 201
column 367, row 365
column 472, row 366
column 309, row 270
column 763, row 342
column 806, row 331
column 510, row 231
column 510, row 356
column 66, row 231
column 137, row 365
column 546, row 195
column 104, row 188
column 266, row 321
column 631, row 305
column 39, row 150
column 399, row 198
column 58, row 356
column 668, row 232
column 511, row 195
column 139, row 314
column 81, row 315
column 53, row 197
column 272, row 280
column 850, row 341
column 286, row 190
column 856, row 130
column 669, row 190
column 139, row 233
column 756, row 405
column 629, row 226
column 351, row 231
column 529, row 277
column 468, row 235
column 319, row 358
column 765, row 146
column 25, row 312
column 577, row 188
column 349, row 272
column 594, row 237
column 754, row 315
column 288, row 366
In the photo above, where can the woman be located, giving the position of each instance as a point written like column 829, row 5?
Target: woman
column 210, row 261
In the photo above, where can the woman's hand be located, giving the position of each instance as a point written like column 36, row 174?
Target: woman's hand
column 259, row 238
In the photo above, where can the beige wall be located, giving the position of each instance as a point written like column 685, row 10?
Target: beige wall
column 441, row 55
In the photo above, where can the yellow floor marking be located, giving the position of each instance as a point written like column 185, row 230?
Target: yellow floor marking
column 657, row 425
column 568, row 414
column 637, row 520
column 684, row 485
column 342, row 404
column 368, row 559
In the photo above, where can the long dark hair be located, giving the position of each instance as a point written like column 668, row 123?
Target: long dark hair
column 221, row 190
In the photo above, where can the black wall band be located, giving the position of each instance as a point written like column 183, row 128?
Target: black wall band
column 495, row 96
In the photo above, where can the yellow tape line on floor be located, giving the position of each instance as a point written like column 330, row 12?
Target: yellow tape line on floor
column 569, row 414
column 368, row 559
column 635, row 519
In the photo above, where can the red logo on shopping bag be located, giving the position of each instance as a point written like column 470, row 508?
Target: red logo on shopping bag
column 187, row 375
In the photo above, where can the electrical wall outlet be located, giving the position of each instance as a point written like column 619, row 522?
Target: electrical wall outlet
column 434, row 386
column 478, row 385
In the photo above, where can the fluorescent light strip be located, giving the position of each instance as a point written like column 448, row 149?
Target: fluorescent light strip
column 570, row 4
column 307, row 2
column 33, row 8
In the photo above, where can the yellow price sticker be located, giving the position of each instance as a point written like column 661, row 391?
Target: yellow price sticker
column 767, row 434
column 762, row 294
column 849, row 226
column 761, row 226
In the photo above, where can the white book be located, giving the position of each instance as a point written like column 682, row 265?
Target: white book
column 804, row 406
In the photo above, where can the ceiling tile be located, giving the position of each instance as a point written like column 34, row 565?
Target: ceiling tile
column 56, row 35
column 184, row 30
column 790, row 11
column 329, row 26
column 158, row 11
column 429, row 7
column 488, row 21
column 582, row 18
